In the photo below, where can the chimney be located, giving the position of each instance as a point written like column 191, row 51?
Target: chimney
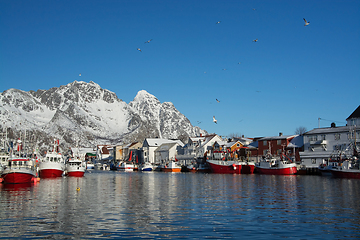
column 280, row 134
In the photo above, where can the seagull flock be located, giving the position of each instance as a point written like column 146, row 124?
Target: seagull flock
column 255, row 40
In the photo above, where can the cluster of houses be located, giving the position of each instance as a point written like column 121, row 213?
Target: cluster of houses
column 310, row 149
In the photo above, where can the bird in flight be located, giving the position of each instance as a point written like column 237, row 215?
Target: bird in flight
column 217, row 100
column 148, row 41
column 239, row 62
column 224, row 69
column 218, row 22
column 306, row 22
column 80, row 75
column 214, row 120
column 138, row 49
column 255, row 40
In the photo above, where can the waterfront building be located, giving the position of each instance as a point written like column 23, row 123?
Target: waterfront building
column 151, row 144
column 277, row 146
column 336, row 143
column 198, row 146
column 166, row 152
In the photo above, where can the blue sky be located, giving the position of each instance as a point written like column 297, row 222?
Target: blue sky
column 290, row 77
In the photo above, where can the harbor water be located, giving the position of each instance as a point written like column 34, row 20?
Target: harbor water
column 156, row 205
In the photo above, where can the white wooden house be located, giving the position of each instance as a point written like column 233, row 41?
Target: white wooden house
column 151, row 144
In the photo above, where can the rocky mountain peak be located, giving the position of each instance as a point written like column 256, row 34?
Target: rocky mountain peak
column 85, row 112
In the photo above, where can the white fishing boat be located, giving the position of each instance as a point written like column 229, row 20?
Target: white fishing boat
column 146, row 167
column 53, row 164
column 125, row 166
column 75, row 167
column 171, row 166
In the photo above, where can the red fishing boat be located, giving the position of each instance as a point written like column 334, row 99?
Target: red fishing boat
column 274, row 166
column 220, row 166
column 347, row 169
column 19, row 170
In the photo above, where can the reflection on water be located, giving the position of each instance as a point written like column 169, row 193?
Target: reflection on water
column 181, row 205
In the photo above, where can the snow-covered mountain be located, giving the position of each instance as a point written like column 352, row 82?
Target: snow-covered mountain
column 85, row 113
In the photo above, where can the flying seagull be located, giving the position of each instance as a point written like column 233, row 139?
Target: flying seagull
column 80, row 75
column 138, row 49
column 148, row 41
column 255, row 40
column 306, row 22
column 218, row 22
column 214, row 120
column 239, row 62
column 217, row 100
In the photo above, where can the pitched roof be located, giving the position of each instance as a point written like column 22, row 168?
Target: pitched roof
column 165, row 147
column 355, row 114
column 296, row 142
column 156, row 142
column 328, row 130
column 277, row 137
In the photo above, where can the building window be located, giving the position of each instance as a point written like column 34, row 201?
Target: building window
column 313, row 138
column 337, row 136
column 323, row 137
column 279, row 142
column 238, row 145
column 264, row 143
column 313, row 161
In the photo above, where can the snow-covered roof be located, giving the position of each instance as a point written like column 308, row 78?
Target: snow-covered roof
column 208, row 138
column 254, row 144
column 230, row 144
column 328, row 130
column 165, row 146
column 296, row 142
column 277, row 137
column 156, row 142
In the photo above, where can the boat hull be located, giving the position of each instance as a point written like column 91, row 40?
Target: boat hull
column 171, row 169
column 51, row 170
column 125, row 169
column 277, row 171
column 147, row 169
column 247, row 169
column 227, row 167
column 50, row 173
column 350, row 173
column 18, row 177
column 75, row 173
